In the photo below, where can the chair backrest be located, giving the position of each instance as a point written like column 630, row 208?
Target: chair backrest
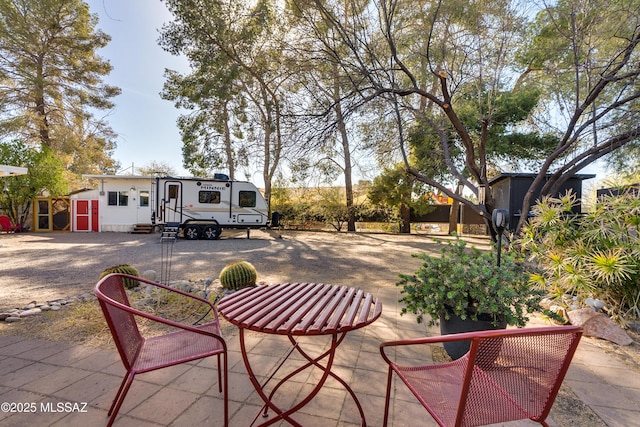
column 122, row 323
column 5, row 223
column 529, row 365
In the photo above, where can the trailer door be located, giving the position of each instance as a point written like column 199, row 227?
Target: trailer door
column 172, row 203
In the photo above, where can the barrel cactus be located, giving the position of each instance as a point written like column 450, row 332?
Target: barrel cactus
column 238, row 275
column 123, row 269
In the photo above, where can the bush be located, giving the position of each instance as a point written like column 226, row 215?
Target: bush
column 467, row 282
column 596, row 255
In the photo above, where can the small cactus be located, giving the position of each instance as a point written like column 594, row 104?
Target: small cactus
column 238, row 275
column 123, row 269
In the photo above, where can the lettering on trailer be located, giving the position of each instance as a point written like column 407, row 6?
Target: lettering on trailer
column 212, row 187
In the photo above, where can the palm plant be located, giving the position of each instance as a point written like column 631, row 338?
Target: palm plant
column 596, row 255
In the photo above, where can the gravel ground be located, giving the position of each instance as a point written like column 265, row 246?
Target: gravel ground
column 45, row 266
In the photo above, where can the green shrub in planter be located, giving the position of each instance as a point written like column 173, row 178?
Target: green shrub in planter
column 467, row 283
column 238, row 275
column 123, row 269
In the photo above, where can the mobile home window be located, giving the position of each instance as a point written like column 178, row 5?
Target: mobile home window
column 209, row 197
column 118, row 198
column 144, row 198
column 247, row 199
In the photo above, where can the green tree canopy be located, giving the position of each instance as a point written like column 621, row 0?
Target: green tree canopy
column 45, row 176
column 400, row 191
column 488, row 79
column 234, row 88
column 51, row 81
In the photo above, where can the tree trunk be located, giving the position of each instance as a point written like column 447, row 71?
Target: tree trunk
column 228, row 148
column 40, row 107
column 346, row 152
column 405, row 219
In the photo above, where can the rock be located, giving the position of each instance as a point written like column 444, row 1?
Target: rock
column 595, row 303
column 199, row 287
column 29, row 306
column 601, row 326
column 30, row 312
column 580, row 316
column 150, row 275
column 598, row 325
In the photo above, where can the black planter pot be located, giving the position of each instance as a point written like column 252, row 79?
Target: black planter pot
column 457, row 325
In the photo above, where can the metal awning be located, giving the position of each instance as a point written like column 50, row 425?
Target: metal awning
column 6, row 170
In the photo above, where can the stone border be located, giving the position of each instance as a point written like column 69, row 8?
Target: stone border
column 16, row 314
column 202, row 288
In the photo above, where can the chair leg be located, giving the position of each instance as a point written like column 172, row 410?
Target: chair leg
column 117, row 402
column 219, row 376
column 226, row 389
column 115, row 399
column 387, row 399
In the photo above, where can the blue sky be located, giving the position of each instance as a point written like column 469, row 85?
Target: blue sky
column 146, row 124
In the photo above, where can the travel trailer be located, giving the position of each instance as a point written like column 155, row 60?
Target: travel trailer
column 199, row 208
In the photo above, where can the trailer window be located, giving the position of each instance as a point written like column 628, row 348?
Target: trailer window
column 173, row 191
column 247, row 199
column 209, row 197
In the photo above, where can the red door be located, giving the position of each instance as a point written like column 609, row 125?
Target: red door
column 82, row 215
column 86, row 215
column 94, row 215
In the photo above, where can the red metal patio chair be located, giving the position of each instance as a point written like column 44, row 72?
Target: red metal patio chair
column 141, row 354
column 6, row 226
column 507, row 375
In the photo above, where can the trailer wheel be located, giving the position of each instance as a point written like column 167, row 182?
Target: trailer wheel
column 191, row 232
column 211, row 232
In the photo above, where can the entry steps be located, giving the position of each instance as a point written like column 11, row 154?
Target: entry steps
column 169, row 231
column 143, row 228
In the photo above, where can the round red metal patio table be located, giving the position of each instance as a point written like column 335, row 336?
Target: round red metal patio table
column 294, row 310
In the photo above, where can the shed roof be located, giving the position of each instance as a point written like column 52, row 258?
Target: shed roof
column 506, row 175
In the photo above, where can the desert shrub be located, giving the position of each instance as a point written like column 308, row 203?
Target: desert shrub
column 595, row 255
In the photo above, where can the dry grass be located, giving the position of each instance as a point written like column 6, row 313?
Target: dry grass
column 83, row 322
column 80, row 323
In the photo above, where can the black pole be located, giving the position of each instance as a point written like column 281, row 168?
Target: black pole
column 499, row 220
column 499, row 245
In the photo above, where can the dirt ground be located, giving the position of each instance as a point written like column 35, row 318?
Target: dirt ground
column 45, row 266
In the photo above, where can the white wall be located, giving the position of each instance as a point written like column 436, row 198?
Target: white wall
column 121, row 218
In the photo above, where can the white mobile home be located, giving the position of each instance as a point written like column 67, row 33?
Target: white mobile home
column 196, row 208
column 118, row 204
